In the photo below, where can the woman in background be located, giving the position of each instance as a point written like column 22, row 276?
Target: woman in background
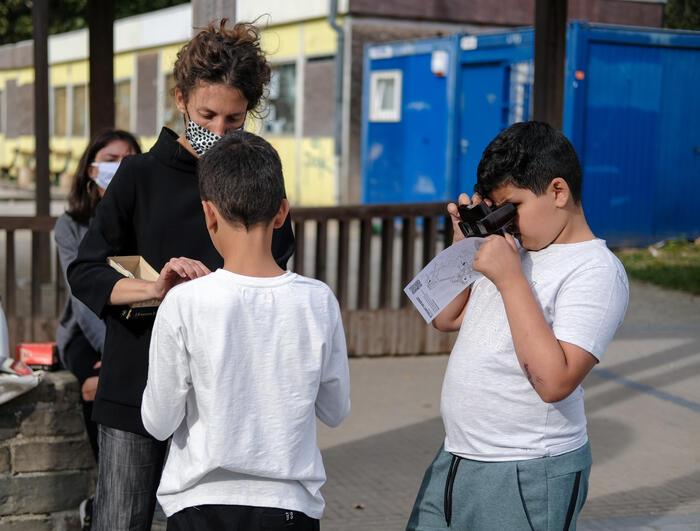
column 80, row 334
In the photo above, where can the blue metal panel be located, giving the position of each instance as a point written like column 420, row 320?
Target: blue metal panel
column 407, row 161
column 635, row 127
column 622, row 124
column 494, row 92
column 677, row 194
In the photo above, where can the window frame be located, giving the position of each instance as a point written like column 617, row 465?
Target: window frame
column 376, row 112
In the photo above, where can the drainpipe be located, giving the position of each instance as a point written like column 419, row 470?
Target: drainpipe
column 338, row 92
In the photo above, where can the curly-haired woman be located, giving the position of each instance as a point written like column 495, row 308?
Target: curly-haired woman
column 153, row 209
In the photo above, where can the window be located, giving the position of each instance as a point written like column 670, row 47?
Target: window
column 171, row 116
column 59, row 111
column 80, row 111
column 385, row 96
column 521, row 79
column 122, row 105
column 282, row 100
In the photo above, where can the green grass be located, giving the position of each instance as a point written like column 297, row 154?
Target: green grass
column 676, row 266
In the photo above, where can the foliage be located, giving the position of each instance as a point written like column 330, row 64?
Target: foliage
column 64, row 15
column 675, row 266
column 682, row 14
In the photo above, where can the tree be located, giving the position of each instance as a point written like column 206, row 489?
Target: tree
column 682, row 14
column 65, row 15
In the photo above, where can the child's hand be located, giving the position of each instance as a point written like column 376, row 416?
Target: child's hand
column 177, row 271
column 498, row 259
column 453, row 211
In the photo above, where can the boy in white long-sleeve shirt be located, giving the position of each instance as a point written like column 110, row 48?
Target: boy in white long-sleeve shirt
column 242, row 361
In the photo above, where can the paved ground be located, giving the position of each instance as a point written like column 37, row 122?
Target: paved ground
column 643, row 405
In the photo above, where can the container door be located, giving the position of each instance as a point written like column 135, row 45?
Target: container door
column 677, row 199
column 493, row 96
column 404, row 156
column 481, row 108
column 621, row 133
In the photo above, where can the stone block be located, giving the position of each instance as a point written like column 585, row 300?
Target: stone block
column 45, row 419
column 5, row 460
column 27, row 523
column 9, row 423
column 43, row 493
column 52, row 455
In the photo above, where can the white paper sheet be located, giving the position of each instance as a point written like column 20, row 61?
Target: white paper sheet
column 445, row 277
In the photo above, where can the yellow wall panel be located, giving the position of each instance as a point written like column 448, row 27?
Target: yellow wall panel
column 286, row 147
column 168, row 55
column 58, row 75
column 25, row 143
column 25, row 75
column 317, row 176
column 281, row 42
column 319, row 38
column 80, row 72
column 147, row 142
column 7, row 150
column 123, row 65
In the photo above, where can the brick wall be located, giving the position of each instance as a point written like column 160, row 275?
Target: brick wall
column 46, row 464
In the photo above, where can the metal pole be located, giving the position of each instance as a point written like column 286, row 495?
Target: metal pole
column 338, row 90
column 550, row 53
column 41, row 259
column 101, row 30
column 40, row 20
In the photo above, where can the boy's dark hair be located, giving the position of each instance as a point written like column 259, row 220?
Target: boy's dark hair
column 529, row 155
column 242, row 176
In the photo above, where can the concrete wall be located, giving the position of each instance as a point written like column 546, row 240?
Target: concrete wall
column 46, row 464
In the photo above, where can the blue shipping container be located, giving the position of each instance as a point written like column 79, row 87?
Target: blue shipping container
column 632, row 111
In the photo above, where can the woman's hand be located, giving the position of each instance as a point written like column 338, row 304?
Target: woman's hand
column 453, row 211
column 89, row 388
column 498, row 259
column 177, row 271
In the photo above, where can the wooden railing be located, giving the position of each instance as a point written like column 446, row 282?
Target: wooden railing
column 366, row 253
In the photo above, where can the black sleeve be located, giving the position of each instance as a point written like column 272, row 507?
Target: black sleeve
column 110, row 234
column 283, row 243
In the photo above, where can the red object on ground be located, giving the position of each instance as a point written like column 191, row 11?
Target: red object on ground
column 43, row 355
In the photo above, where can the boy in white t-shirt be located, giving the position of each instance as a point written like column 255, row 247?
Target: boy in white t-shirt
column 242, row 361
column 516, row 453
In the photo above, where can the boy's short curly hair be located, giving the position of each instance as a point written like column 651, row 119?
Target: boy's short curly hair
column 529, row 155
column 231, row 56
column 242, row 176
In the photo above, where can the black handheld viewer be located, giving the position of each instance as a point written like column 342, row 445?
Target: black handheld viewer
column 480, row 220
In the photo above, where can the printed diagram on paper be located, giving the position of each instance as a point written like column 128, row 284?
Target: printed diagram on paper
column 444, row 278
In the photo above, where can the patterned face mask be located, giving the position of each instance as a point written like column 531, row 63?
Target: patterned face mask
column 200, row 139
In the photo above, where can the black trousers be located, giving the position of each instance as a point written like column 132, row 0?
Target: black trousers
column 79, row 356
column 240, row 518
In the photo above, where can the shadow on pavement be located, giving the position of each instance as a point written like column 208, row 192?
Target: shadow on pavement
column 372, row 483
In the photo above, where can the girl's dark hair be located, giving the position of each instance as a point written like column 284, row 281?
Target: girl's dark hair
column 529, row 155
column 224, row 55
column 84, row 196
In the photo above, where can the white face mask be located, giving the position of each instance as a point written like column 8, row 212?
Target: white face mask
column 105, row 172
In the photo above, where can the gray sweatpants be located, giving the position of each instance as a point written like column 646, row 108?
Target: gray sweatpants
column 544, row 494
